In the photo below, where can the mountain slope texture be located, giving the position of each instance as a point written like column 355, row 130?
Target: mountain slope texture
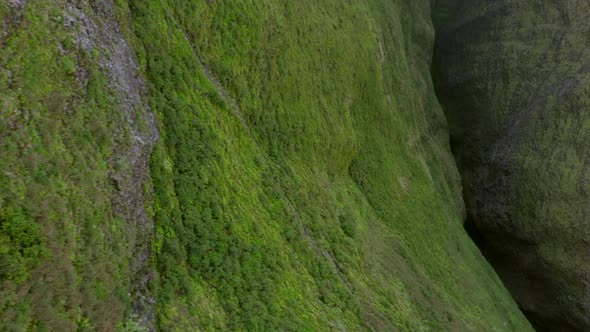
column 215, row 165
column 514, row 77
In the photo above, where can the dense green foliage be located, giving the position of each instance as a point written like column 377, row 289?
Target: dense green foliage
column 307, row 184
column 302, row 180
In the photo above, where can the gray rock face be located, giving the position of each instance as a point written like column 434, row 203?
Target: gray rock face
column 76, row 136
column 20, row 4
column 514, row 77
column 130, row 162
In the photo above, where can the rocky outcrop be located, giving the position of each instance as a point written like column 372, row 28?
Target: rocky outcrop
column 97, row 30
column 513, row 77
column 76, row 136
column 135, row 140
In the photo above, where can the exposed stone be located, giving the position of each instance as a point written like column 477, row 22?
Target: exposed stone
column 135, row 142
column 19, row 4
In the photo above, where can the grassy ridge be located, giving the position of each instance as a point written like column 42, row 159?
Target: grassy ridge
column 302, row 181
column 307, row 158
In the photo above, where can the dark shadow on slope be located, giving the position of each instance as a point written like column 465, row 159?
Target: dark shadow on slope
column 520, row 275
column 458, row 123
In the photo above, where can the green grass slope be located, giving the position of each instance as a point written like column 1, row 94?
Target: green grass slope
column 514, row 75
column 302, row 179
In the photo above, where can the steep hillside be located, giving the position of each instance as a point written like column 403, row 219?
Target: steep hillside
column 75, row 141
column 514, row 78
column 299, row 160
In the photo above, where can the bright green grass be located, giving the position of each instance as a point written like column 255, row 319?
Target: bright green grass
column 316, row 190
column 305, row 185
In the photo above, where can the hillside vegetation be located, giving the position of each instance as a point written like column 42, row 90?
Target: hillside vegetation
column 300, row 178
